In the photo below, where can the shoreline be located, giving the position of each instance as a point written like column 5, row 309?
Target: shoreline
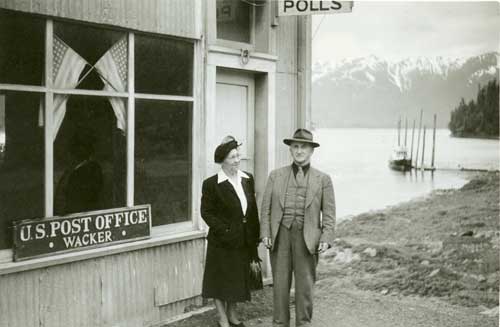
column 472, row 136
column 417, row 247
column 467, row 174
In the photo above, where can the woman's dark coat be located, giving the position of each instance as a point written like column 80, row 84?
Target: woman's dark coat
column 232, row 243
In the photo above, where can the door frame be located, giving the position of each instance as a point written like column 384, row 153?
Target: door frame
column 263, row 68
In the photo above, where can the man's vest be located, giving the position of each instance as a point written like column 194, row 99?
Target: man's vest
column 295, row 201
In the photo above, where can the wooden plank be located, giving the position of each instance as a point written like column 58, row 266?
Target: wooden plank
column 172, row 17
column 287, row 45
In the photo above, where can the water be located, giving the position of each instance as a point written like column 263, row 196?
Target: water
column 357, row 160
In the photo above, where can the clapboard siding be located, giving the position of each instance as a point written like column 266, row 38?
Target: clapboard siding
column 137, row 288
column 171, row 17
column 286, row 85
column 286, row 109
column 286, row 47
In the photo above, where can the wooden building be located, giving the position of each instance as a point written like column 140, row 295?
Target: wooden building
column 179, row 75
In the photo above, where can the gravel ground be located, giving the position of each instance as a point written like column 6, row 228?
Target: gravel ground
column 341, row 305
column 408, row 265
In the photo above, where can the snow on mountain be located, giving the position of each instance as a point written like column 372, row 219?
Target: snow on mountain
column 398, row 72
column 354, row 91
column 478, row 74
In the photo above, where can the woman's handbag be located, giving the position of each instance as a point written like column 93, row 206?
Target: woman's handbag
column 255, row 276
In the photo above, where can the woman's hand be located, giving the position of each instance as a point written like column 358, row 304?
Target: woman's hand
column 267, row 242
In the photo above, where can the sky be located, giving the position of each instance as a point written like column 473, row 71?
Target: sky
column 397, row 30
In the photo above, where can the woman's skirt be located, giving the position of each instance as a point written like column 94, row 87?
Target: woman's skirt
column 227, row 273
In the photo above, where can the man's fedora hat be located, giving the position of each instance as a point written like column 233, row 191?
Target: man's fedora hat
column 302, row 135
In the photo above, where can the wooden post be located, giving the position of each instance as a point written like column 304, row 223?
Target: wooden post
column 418, row 139
column 412, row 137
column 433, row 142
column 48, row 122
column 406, row 130
column 423, row 151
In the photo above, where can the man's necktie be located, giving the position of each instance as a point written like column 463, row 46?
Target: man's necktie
column 300, row 177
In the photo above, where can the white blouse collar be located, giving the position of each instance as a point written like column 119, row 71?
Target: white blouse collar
column 222, row 177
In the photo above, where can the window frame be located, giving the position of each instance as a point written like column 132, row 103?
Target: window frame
column 167, row 231
column 236, row 44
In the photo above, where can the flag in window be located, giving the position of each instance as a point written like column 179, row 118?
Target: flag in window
column 112, row 68
column 67, row 65
column 66, row 69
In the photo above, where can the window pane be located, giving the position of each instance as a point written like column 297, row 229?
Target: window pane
column 89, row 157
column 21, row 48
column 90, row 44
column 163, row 66
column 233, row 20
column 21, row 161
column 163, row 159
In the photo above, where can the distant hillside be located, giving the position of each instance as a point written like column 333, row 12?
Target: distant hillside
column 477, row 118
column 372, row 92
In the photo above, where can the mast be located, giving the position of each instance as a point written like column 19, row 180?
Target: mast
column 412, row 137
column 399, row 131
column 406, row 129
column 418, row 139
column 433, row 142
column 423, row 151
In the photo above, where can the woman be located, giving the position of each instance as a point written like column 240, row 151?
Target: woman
column 229, row 208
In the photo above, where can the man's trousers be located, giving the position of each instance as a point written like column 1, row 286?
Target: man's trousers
column 290, row 255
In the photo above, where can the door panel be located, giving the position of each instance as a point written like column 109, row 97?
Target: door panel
column 235, row 112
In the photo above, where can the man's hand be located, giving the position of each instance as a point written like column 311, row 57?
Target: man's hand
column 323, row 246
column 267, row 242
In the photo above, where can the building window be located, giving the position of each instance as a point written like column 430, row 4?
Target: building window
column 163, row 159
column 90, row 93
column 89, row 158
column 21, row 160
column 163, row 66
column 235, row 20
column 21, row 49
column 102, row 53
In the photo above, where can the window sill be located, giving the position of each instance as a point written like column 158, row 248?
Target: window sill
column 158, row 238
column 237, row 52
column 234, row 44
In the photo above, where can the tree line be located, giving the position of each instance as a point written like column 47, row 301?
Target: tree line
column 480, row 117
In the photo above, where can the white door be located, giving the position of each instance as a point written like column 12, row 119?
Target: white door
column 234, row 112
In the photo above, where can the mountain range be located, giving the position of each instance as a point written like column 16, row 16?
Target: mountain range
column 374, row 92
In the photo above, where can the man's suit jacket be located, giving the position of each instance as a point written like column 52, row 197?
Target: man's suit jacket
column 319, row 218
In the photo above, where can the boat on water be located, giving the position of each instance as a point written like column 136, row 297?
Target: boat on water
column 399, row 159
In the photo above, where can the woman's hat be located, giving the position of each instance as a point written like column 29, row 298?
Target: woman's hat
column 302, row 135
column 228, row 144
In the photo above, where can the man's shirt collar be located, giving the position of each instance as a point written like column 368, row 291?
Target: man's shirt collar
column 305, row 168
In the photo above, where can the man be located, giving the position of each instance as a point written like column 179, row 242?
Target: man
column 298, row 222
column 80, row 185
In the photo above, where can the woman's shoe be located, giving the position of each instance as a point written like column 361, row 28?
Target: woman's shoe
column 237, row 325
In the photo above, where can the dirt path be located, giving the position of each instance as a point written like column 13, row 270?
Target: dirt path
column 341, row 305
